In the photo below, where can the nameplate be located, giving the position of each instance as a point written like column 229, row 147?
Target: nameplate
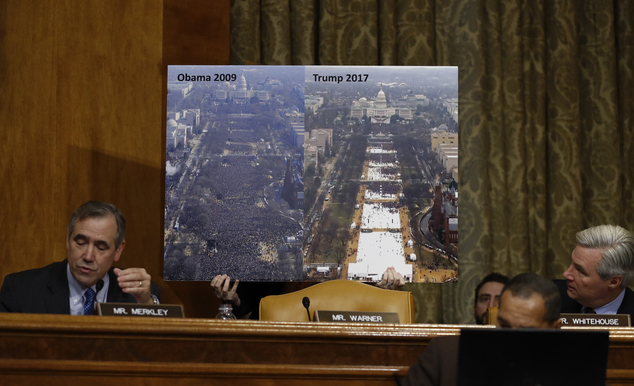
column 356, row 317
column 595, row 320
column 132, row 309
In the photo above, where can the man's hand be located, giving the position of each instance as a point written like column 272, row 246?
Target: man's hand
column 221, row 284
column 136, row 282
column 391, row 279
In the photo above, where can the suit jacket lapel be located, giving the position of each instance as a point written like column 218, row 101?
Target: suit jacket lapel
column 627, row 305
column 57, row 297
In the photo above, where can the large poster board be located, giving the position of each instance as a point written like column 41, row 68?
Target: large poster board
column 310, row 173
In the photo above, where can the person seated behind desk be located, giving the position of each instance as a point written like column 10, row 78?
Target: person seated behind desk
column 96, row 237
column 487, row 295
column 245, row 298
column 601, row 269
column 528, row 301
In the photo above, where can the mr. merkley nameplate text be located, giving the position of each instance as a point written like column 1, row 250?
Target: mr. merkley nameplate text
column 132, row 309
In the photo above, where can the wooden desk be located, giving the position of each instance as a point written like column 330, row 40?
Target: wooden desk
column 67, row 350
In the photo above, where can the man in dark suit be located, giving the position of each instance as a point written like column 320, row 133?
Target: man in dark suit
column 96, row 238
column 601, row 269
column 527, row 301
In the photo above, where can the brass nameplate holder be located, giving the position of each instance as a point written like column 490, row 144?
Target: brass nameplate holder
column 148, row 310
column 595, row 320
column 356, row 317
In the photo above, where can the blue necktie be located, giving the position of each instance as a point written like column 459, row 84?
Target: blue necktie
column 88, row 303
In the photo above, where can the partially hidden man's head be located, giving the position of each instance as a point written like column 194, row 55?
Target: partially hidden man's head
column 602, row 265
column 487, row 294
column 529, row 301
column 96, row 237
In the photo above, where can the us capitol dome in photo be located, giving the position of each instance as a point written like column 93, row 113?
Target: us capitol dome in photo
column 378, row 111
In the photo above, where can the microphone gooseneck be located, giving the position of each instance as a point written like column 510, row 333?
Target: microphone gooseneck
column 99, row 286
column 306, row 303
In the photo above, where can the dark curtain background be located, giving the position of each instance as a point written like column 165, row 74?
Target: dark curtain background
column 546, row 101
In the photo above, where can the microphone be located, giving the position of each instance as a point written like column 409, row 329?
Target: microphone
column 98, row 288
column 306, row 303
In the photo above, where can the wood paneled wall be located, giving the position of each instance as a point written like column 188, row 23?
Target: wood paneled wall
column 82, row 106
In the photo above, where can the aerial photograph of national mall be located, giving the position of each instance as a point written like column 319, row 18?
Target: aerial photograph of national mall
column 293, row 173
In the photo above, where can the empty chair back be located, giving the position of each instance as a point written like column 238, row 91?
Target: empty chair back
column 337, row 295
